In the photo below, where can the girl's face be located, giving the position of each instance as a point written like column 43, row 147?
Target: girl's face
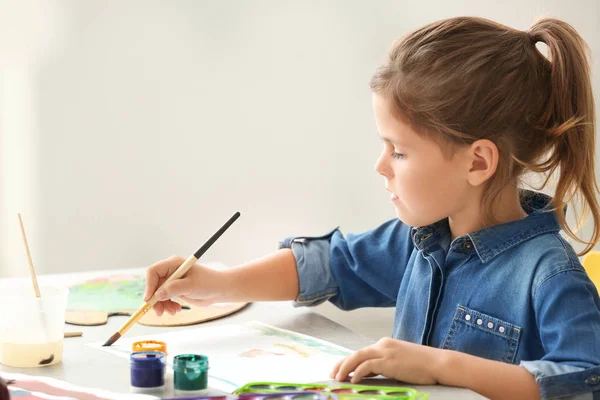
column 425, row 185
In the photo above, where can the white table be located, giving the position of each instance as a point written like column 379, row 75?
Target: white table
column 85, row 366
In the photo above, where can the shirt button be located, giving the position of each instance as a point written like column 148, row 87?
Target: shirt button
column 501, row 329
column 425, row 237
column 592, row 380
column 479, row 321
column 468, row 245
column 490, row 325
column 468, row 317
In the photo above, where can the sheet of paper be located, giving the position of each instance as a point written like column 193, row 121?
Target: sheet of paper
column 32, row 387
column 248, row 352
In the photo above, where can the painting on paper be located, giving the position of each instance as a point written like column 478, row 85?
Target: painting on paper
column 248, row 352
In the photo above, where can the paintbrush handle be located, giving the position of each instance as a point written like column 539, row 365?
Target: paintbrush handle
column 182, row 270
column 135, row 318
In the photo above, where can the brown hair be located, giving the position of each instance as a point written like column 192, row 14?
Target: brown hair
column 463, row 79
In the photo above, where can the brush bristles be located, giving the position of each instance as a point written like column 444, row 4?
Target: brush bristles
column 112, row 339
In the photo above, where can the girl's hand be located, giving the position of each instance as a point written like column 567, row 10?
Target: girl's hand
column 200, row 286
column 392, row 358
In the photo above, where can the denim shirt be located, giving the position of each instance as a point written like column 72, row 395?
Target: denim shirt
column 515, row 292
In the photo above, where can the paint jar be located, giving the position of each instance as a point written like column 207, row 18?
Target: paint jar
column 32, row 328
column 147, row 371
column 149, row 345
column 190, row 372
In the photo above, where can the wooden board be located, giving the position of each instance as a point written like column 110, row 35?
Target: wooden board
column 93, row 302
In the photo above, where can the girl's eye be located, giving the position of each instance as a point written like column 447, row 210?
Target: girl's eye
column 397, row 156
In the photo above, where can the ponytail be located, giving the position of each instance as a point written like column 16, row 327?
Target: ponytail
column 569, row 120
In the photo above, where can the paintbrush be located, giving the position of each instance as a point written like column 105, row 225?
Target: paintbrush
column 36, row 287
column 179, row 273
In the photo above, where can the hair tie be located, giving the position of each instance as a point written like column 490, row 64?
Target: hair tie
column 532, row 37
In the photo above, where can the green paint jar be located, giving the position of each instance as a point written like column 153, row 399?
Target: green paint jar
column 190, row 372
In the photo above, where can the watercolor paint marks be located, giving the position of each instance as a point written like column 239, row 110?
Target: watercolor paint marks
column 241, row 353
column 93, row 302
column 108, row 293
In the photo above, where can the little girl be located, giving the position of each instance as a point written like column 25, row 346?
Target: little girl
column 488, row 294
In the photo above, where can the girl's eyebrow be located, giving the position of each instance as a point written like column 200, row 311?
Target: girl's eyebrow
column 395, row 142
column 387, row 139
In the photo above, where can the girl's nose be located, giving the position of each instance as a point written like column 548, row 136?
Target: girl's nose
column 382, row 167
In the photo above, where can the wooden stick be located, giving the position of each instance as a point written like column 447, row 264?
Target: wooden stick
column 29, row 260
column 73, row 334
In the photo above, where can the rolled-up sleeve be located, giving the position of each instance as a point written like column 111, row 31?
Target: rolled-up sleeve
column 362, row 270
column 316, row 281
column 565, row 382
column 568, row 316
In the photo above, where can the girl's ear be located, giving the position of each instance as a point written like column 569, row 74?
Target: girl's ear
column 483, row 161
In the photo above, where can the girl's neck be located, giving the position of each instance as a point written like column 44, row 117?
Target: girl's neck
column 471, row 217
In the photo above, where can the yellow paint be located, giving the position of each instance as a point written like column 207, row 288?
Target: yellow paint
column 293, row 348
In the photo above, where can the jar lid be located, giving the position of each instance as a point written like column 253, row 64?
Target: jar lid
column 149, row 345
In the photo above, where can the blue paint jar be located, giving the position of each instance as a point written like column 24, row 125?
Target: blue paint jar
column 147, row 370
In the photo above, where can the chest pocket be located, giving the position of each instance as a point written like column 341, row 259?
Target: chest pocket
column 482, row 335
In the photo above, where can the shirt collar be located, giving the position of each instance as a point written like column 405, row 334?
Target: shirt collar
column 492, row 241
